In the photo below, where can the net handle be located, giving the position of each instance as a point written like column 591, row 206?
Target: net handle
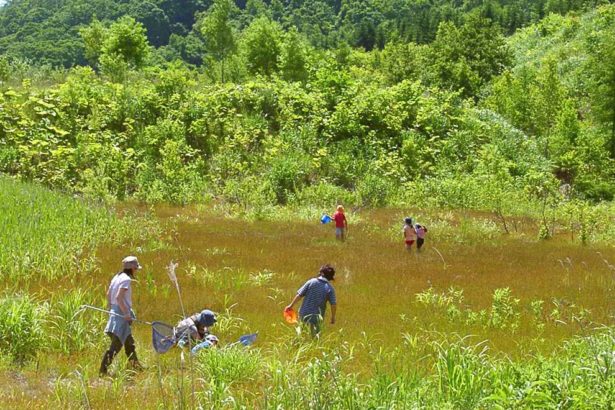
column 113, row 313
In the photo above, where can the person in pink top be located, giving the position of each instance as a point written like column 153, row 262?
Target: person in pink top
column 409, row 233
column 420, row 235
column 341, row 224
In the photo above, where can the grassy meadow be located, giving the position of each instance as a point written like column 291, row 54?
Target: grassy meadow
column 478, row 319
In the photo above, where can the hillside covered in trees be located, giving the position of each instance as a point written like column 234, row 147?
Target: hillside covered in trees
column 47, row 31
column 260, row 104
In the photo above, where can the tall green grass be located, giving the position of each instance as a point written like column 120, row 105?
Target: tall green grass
column 22, row 321
column 223, row 370
column 48, row 234
column 70, row 329
column 580, row 375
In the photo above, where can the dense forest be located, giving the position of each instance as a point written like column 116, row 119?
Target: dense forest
column 47, row 31
column 260, row 104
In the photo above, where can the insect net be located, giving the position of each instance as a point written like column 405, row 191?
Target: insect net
column 163, row 337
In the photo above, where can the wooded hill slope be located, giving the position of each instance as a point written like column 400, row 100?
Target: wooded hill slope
column 47, row 31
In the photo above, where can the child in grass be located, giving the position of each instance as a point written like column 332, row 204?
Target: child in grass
column 341, row 224
column 409, row 233
column 195, row 327
column 420, row 235
column 208, row 342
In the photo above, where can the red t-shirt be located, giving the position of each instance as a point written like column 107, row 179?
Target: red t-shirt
column 339, row 218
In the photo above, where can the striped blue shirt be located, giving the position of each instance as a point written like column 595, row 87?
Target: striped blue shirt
column 316, row 293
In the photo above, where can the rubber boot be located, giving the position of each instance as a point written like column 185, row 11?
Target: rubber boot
column 106, row 362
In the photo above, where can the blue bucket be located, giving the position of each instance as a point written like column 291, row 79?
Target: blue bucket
column 325, row 219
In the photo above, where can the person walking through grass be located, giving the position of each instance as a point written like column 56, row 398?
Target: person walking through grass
column 341, row 224
column 316, row 292
column 420, row 230
column 409, row 234
column 119, row 298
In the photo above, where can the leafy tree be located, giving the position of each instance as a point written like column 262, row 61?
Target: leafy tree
column 182, row 14
column 277, row 10
column 114, row 67
column 294, row 57
column 493, row 171
column 601, row 66
column 465, row 58
column 190, row 48
column 401, row 61
column 93, row 37
column 316, row 20
column 563, row 141
column 256, row 8
column 155, row 21
column 218, row 32
column 126, row 38
column 124, row 42
column 262, row 45
column 512, row 97
column 5, row 68
column 549, row 95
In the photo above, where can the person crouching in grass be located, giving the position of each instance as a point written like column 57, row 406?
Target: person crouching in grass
column 194, row 328
column 316, row 292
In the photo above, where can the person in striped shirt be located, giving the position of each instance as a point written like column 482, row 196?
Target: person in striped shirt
column 316, row 292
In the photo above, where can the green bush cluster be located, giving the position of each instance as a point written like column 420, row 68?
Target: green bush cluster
column 21, row 326
column 506, row 312
column 249, row 143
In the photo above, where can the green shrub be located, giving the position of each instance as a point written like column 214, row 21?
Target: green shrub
column 504, row 309
column 374, row 190
column 287, row 175
column 323, row 194
column 222, row 369
column 21, row 326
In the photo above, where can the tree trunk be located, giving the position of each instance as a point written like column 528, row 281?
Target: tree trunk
column 222, row 70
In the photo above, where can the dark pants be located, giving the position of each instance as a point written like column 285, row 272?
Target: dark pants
column 114, row 349
column 419, row 243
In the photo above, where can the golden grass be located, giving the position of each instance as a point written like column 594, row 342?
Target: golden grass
column 376, row 278
column 248, row 271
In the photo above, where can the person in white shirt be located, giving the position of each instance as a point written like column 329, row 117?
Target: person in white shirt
column 119, row 298
column 409, row 233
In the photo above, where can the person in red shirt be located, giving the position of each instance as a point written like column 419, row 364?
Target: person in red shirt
column 341, row 224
